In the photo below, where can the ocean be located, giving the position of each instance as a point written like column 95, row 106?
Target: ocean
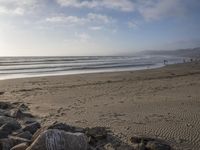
column 21, row 67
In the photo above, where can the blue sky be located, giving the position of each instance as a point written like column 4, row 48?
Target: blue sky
column 97, row 27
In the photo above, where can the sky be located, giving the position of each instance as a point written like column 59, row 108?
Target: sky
column 97, row 27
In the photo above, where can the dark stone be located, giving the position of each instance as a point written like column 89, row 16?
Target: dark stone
column 5, row 119
column 26, row 135
column 3, row 134
column 97, row 133
column 5, row 105
column 62, row 126
column 155, row 145
column 8, row 143
column 38, row 132
column 29, row 121
column 22, row 146
column 124, row 147
column 137, row 140
column 3, row 112
column 18, row 113
column 23, row 107
column 1, row 93
column 140, row 146
column 32, row 128
column 10, row 126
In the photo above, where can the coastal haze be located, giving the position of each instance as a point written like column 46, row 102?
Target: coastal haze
column 99, row 74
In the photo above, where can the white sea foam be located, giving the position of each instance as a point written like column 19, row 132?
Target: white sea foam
column 20, row 67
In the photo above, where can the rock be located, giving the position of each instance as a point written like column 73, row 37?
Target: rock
column 54, row 139
column 155, row 145
column 3, row 112
column 10, row 126
column 80, row 130
column 5, row 119
column 66, row 127
column 3, row 134
column 1, row 93
column 22, row 146
column 140, row 146
column 16, row 113
column 124, row 147
column 26, row 135
column 38, row 132
column 109, row 147
column 62, row 126
column 23, row 107
column 137, row 140
column 5, row 105
column 32, row 128
column 97, row 132
column 8, row 143
column 29, row 121
column 91, row 148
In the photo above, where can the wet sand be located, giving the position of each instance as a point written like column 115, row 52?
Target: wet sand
column 163, row 102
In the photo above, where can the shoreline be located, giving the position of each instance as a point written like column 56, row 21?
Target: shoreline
column 83, row 72
column 161, row 102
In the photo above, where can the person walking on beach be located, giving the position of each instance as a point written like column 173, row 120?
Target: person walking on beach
column 165, row 62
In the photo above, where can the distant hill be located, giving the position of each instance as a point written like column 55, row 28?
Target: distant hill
column 193, row 52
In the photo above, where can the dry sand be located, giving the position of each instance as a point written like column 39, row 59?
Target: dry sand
column 162, row 102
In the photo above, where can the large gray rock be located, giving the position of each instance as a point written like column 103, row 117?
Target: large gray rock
column 54, row 139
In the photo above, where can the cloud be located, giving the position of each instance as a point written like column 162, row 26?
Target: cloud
column 148, row 9
column 82, row 37
column 158, row 9
column 17, row 11
column 70, row 20
column 91, row 18
column 99, row 18
column 78, row 38
column 122, row 5
column 132, row 25
column 96, row 28
column 16, row 7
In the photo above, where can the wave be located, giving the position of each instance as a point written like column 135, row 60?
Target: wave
column 29, row 66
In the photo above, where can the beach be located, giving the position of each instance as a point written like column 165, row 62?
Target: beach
column 160, row 103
